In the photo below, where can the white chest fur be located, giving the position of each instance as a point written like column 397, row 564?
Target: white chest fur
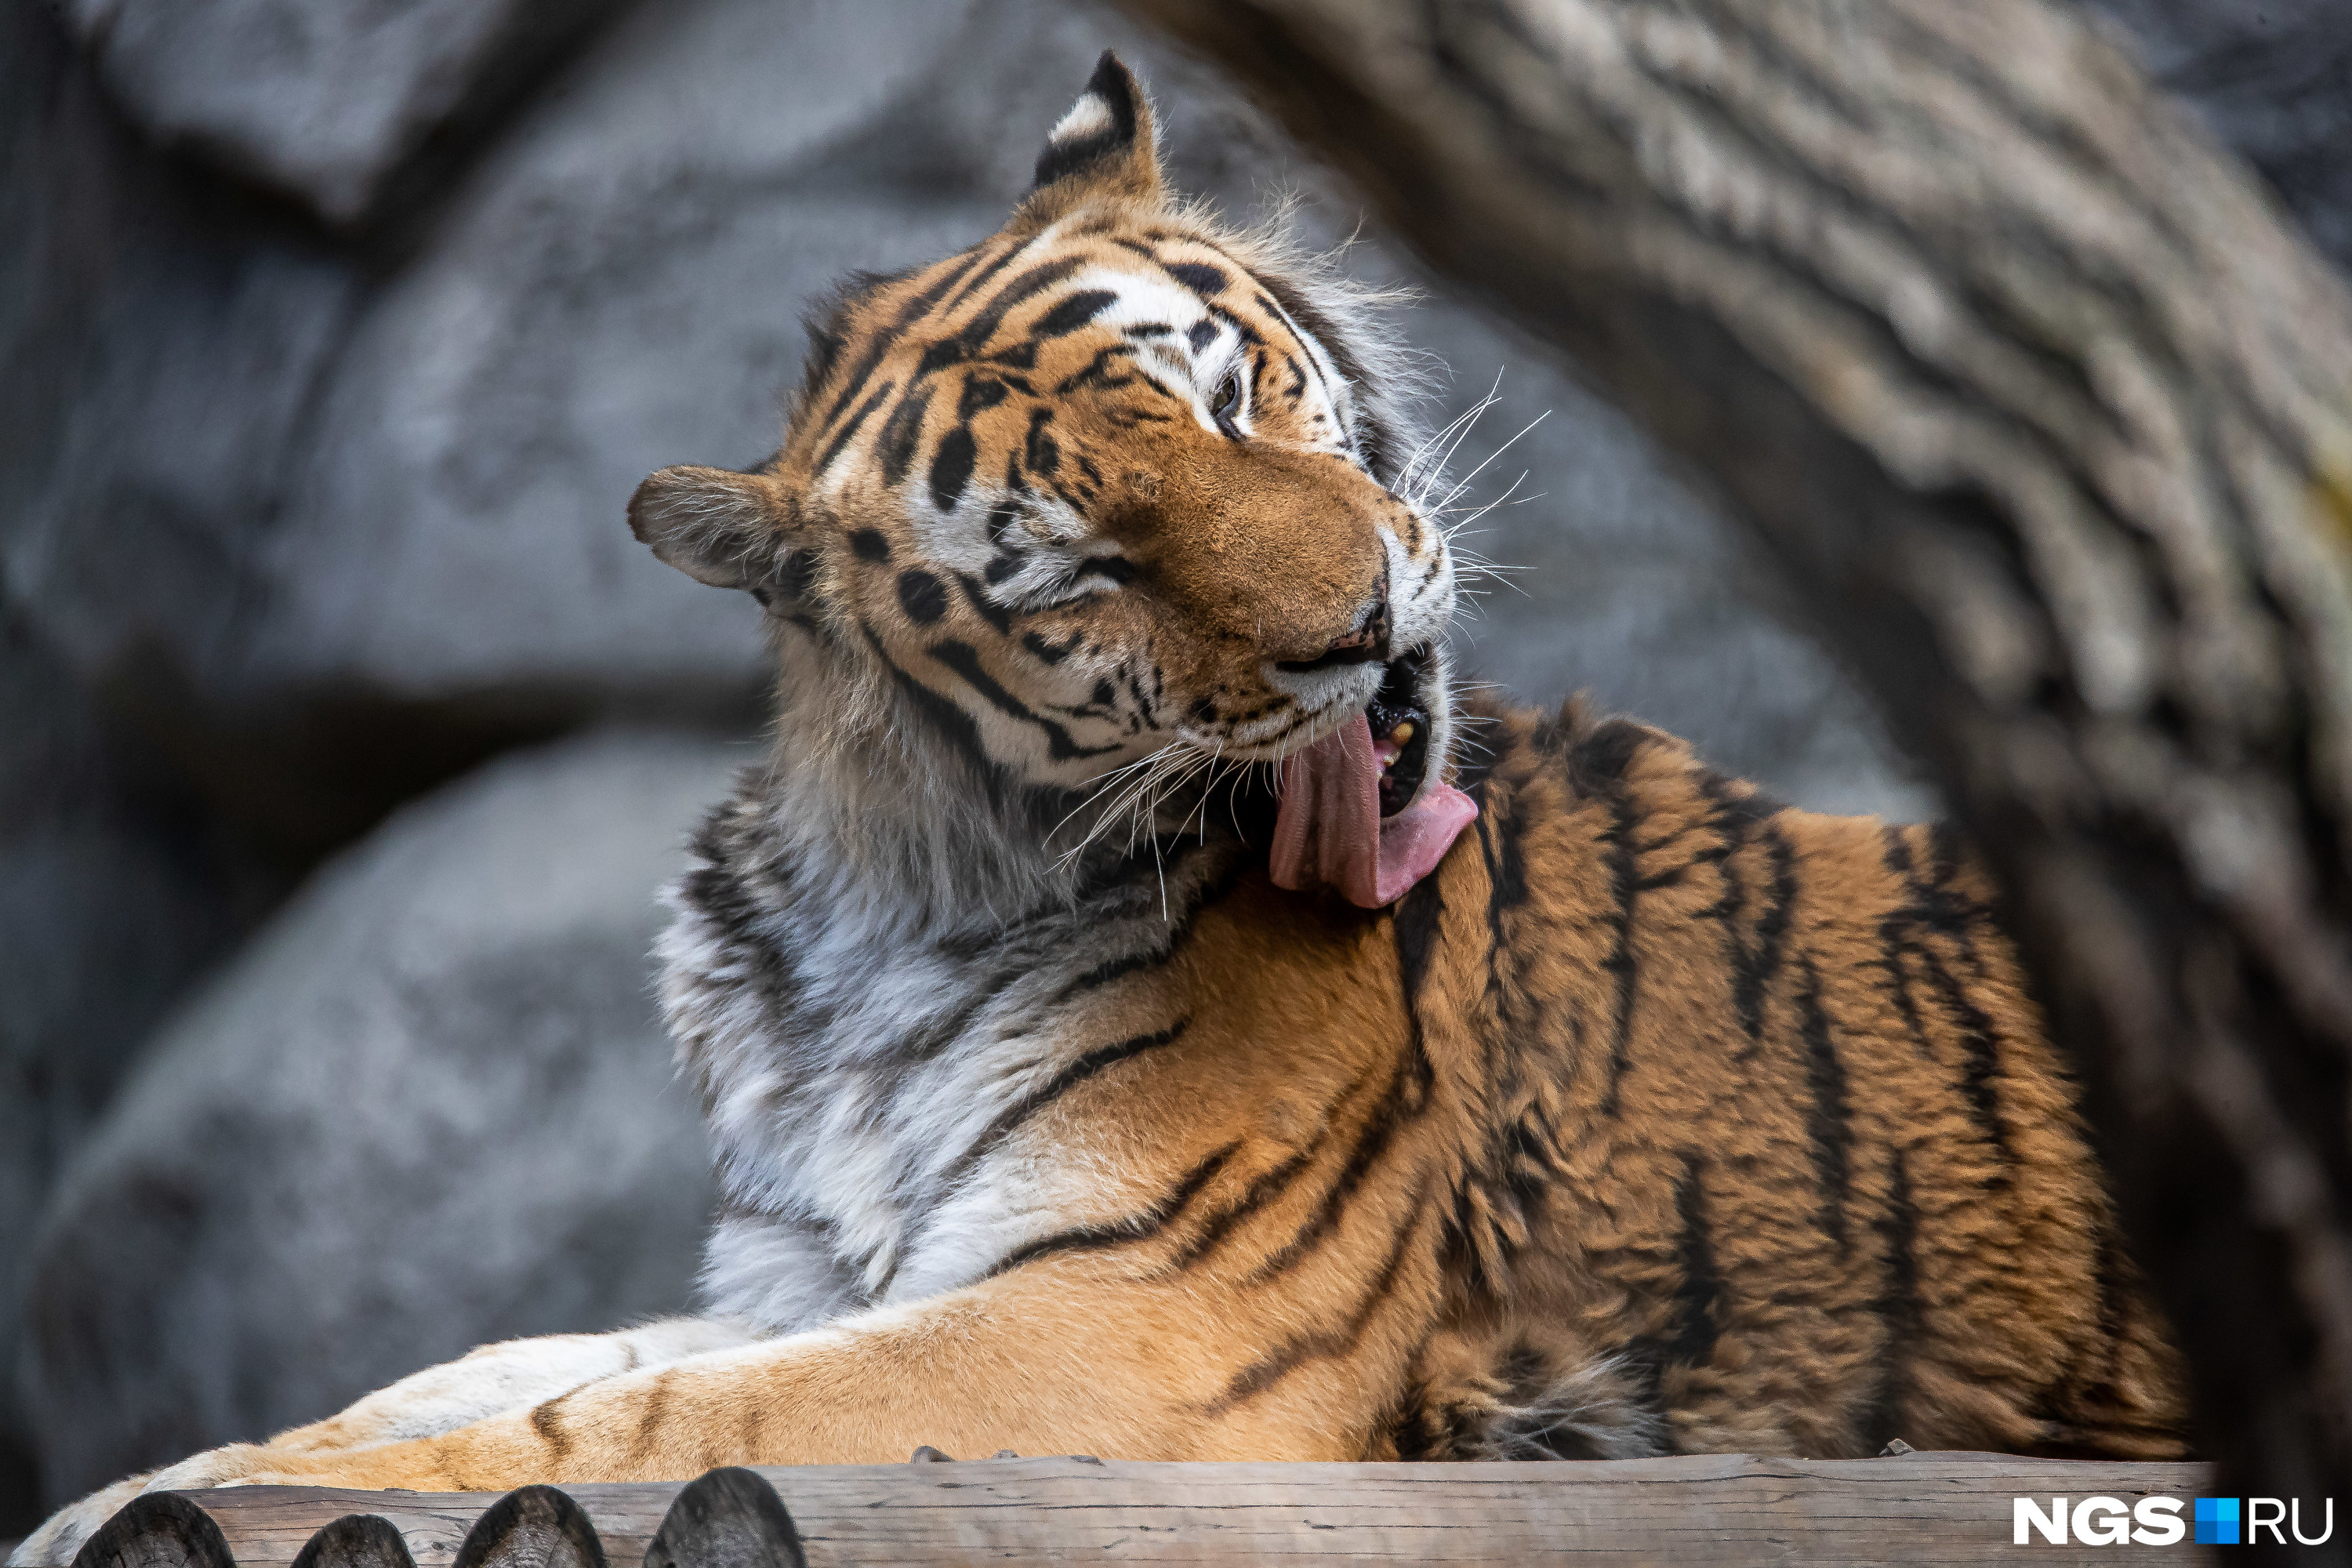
column 869, row 1070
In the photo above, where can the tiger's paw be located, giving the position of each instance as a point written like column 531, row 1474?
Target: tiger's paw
column 63, row 1533
column 70, row 1529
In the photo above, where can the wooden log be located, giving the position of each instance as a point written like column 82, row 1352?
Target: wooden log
column 731, row 1518
column 161, row 1530
column 532, row 1527
column 1719, row 1508
column 357, row 1541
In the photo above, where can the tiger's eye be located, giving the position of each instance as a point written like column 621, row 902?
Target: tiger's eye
column 1228, row 403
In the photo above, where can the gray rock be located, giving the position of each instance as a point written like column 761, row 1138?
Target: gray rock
column 115, row 890
column 620, row 287
column 139, row 551
column 427, row 1107
column 111, row 898
column 323, row 99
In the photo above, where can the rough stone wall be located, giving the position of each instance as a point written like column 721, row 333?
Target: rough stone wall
column 333, row 335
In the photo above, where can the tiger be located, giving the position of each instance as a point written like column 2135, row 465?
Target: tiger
column 1140, row 1010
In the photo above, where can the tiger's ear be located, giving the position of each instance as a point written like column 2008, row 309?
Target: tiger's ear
column 726, row 528
column 1106, row 146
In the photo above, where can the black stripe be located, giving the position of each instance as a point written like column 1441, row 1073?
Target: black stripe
column 980, row 393
column 1096, row 1061
column 546, row 1423
column 1752, row 975
column 962, row 729
column 1241, row 330
column 1980, row 1042
column 1700, row 1296
column 969, row 341
column 1203, row 279
column 1940, row 908
column 951, row 467
column 1096, row 372
column 1463, row 1241
column 653, row 1410
column 1596, row 763
column 1005, row 513
column 896, row 444
column 1049, row 652
column 988, row 609
column 882, row 342
column 1894, row 943
column 1264, row 1189
column 842, row 437
column 1901, row 1322
column 979, row 278
column 1597, row 758
column 1734, row 831
column 964, row 659
column 1826, row 1120
column 716, row 891
column 1073, row 313
column 1406, row 1093
column 923, row 596
column 1138, row 1226
column 1268, row 1370
column 1619, row 842
column 1418, row 918
column 1312, row 330
column 925, row 1044
column 1039, row 452
column 1500, row 848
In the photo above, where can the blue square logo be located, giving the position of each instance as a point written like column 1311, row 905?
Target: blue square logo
column 2217, row 1521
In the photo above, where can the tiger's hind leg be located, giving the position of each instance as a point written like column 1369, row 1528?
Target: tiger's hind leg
column 1516, row 1396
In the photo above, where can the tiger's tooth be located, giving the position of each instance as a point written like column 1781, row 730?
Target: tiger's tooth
column 1402, row 733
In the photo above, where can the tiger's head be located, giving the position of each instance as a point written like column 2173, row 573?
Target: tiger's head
column 1117, row 486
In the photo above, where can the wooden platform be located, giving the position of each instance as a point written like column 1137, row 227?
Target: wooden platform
column 1941, row 1507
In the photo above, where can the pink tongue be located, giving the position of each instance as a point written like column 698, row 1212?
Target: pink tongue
column 1329, row 828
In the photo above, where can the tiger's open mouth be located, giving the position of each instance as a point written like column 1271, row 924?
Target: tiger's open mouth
column 1359, row 810
column 1399, row 717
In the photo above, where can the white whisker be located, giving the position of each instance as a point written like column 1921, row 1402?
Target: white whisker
column 1465, row 481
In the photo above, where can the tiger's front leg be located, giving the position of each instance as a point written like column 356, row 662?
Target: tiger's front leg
column 1042, row 1360
column 510, row 1375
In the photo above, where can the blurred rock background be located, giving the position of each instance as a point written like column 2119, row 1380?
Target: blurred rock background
column 344, row 733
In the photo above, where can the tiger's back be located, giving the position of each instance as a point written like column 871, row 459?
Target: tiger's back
column 1764, row 1115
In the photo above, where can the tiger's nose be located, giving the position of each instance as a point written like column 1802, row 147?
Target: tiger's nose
column 1367, row 642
